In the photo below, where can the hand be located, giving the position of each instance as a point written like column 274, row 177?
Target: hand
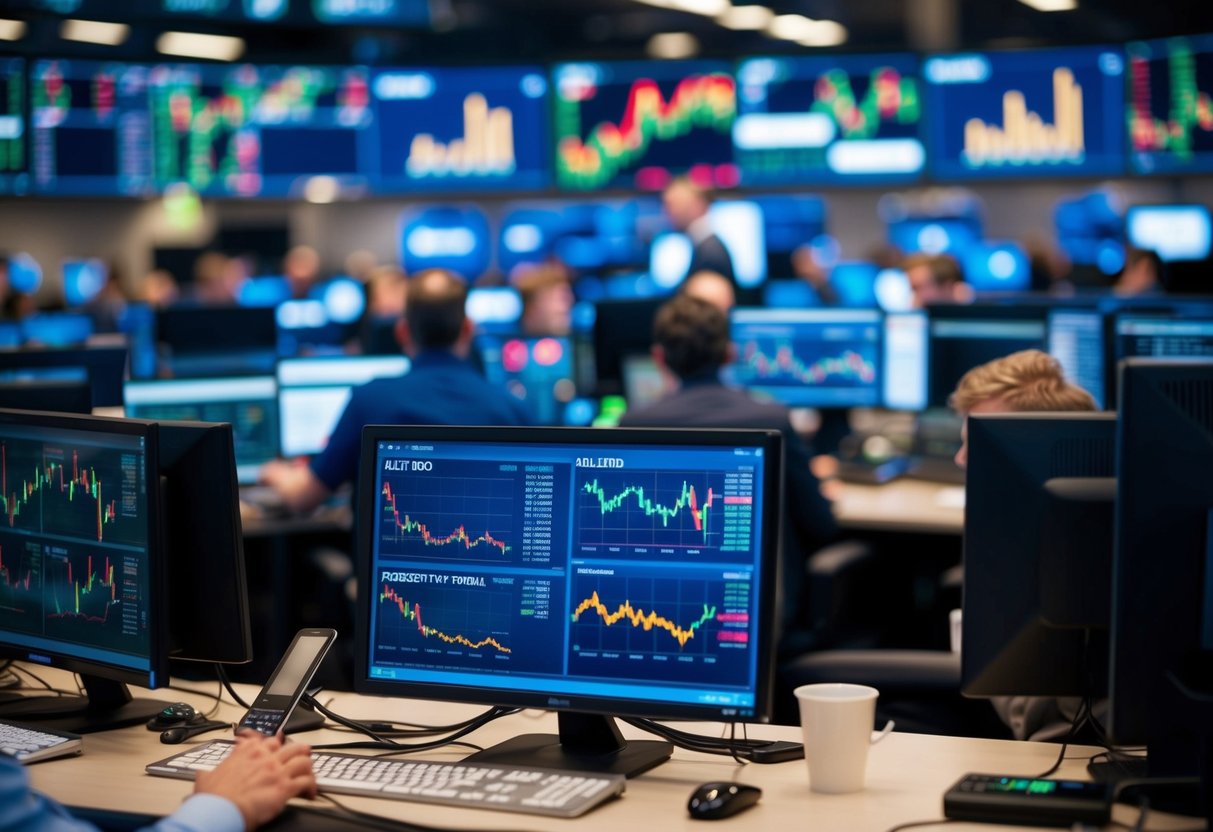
column 298, row 487
column 260, row 776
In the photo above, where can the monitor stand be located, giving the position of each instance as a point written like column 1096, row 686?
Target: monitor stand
column 587, row 742
column 106, row 704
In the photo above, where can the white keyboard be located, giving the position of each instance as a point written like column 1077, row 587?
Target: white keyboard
column 535, row 791
column 29, row 745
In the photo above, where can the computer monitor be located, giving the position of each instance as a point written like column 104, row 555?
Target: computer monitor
column 204, row 545
column 494, row 308
column 644, row 382
column 594, row 573
column 905, row 360
column 1157, row 333
column 249, row 404
column 188, row 336
column 102, row 366
column 808, row 357
column 56, row 329
column 1076, row 340
column 82, row 566
column 621, row 328
column 67, row 396
column 313, row 393
column 1039, row 493
column 1174, row 232
column 964, row 337
column 1162, row 592
column 537, row 370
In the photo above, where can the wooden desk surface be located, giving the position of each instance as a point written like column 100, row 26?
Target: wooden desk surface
column 907, row 775
column 904, row 505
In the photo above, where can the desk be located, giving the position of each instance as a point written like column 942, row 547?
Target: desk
column 907, row 775
column 904, row 505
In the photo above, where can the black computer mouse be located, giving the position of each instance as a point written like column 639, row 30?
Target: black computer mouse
column 714, row 801
column 175, row 714
column 181, row 733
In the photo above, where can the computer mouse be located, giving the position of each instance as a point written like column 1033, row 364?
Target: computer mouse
column 175, row 714
column 181, row 733
column 715, row 801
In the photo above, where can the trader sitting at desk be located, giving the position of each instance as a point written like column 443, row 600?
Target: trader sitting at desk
column 691, row 341
column 247, row 789
column 442, row 388
column 1023, row 382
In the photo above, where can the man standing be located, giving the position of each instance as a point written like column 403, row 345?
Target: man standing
column 686, row 204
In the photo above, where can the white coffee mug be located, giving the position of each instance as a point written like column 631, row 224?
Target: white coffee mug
column 836, row 720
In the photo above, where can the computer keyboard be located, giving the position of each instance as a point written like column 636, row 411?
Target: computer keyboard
column 29, row 745
column 535, row 791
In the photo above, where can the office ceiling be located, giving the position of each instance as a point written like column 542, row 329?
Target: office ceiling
column 475, row 31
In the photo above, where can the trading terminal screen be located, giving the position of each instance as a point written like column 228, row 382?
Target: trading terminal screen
column 627, row 575
column 1170, row 114
column 74, row 544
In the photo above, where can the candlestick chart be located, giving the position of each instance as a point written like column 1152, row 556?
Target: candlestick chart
column 20, row 584
column 94, row 598
column 13, row 157
column 636, row 125
column 1170, row 105
column 79, row 493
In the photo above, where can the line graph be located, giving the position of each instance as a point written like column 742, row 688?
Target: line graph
column 21, row 581
column 890, row 97
column 94, row 598
column 633, row 118
column 788, row 361
column 645, row 512
column 458, row 514
column 412, row 612
column 678, row 627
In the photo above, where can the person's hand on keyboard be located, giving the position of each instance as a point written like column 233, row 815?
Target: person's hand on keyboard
column 260, row 776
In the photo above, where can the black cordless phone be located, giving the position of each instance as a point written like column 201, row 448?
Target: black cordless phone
column 274, row 704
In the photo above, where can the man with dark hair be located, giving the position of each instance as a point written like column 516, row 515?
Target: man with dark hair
column 691, row 341
column 936, row 278
column 442, row 388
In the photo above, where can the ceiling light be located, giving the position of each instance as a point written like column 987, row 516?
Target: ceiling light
column 673, row 45
column 746, row 18
column 824, row 33
column 12, row 29
column 94, row 31
column 1052, row 5
column 709, row 8
column 194, row 45
column 791, row 27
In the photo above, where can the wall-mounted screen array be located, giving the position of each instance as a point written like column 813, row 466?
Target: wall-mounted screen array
column 109, row 128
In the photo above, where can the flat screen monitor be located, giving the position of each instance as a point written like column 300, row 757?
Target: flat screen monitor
column 82, row 280
column 1167, row 81
column 1162, row 593
column 460, row 129
column 808, row 357
column 935, row 235
column 249, row 404
column 539, row 371
column 1076, row 340
column 14, row 160
column 964, row 337
column 61, row 396
column 997, row 267
column 56, row 329
column 1158, row 333
column 91, row 128
column 644, row 382
column 594, row 573
column 204, row 545
column 102, row 366
column 81, row 561
column 905, row 360
column 1174, row 232
column 1027, row 113
column 494, row 308
column 621, row 328
column 254, row 130
column 1039, row 493
column 636, row 124
column 313, row 393
column 187, row 336
column 832, row 120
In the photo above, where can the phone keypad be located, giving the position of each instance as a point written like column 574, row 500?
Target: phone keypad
column 262, row 721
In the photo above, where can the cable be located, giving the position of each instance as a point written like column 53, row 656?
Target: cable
column 385, row 743
column 1144, row 806
column 227, row 683
column 377, row 822
column 741, row 750
column 915, row 824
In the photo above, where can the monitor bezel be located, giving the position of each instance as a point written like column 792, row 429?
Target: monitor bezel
column 157, row 674
column 771, row 442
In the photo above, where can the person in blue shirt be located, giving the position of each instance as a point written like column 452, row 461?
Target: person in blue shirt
column 441, row 388
column 247, row 790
